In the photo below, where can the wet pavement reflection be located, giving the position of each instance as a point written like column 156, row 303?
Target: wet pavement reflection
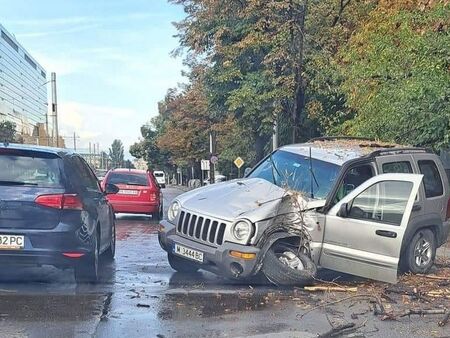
column 139, row 295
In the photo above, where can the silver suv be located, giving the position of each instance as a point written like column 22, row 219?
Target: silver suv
column 351, row 205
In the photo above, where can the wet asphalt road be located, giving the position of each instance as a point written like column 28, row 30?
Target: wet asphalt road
column 141, row 296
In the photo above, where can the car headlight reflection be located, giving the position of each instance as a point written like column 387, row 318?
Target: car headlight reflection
column 242, row 230
column 174, row 209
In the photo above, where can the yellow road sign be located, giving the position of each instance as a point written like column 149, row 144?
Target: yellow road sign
column 239, row 162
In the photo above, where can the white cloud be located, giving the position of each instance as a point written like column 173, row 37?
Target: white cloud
column 98, row 124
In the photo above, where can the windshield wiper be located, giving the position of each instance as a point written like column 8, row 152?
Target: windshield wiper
column 135, row 184
column 17, row 183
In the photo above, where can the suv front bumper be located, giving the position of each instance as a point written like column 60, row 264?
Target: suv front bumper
column 216, row 260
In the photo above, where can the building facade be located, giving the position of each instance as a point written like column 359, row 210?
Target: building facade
column 23, row 91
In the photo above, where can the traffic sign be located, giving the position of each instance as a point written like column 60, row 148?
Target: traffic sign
column 239, row 162
column 214, row 159
column 205, row 165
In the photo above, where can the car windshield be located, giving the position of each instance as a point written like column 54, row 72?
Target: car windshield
column 28, row 170
column 158, row 174
column 293, row 171
column 128, row 179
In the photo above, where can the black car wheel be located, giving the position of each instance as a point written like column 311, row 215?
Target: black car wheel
column 111, row 251
column 421, row 251
column 285, row 266
column 86, row 271
column 181, row 265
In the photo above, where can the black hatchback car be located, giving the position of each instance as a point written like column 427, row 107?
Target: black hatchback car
column 53, row 211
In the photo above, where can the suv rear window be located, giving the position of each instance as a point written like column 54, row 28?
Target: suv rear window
column 128, row 178
column 431, row 179
column 35, row 169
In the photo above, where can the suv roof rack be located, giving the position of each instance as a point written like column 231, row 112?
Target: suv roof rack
column 396, row 151
column 331, row 138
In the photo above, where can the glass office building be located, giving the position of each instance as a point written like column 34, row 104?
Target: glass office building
column 23, row 90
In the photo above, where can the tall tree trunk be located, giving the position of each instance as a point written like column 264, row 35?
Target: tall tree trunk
column 299, row 95
column 260, row 142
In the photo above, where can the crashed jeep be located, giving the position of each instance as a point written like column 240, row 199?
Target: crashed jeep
column 349, row 205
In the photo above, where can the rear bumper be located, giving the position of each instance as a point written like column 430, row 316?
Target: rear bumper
column 46, row 247
column 216, row 260
column 135, row 207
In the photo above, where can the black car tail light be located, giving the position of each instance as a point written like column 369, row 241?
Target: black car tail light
column 60, row 201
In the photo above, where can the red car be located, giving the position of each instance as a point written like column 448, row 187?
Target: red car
column 139, row 193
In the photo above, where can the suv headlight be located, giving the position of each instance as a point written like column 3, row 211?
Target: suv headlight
column 174, row 209
column 242, row 230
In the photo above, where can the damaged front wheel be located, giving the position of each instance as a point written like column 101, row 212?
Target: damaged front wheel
column 285, row 266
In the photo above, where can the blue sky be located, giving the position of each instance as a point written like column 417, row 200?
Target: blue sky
column 112, row 59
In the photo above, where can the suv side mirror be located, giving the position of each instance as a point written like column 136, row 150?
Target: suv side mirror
column 343, row 210
column 111, row 189
column 247, row 171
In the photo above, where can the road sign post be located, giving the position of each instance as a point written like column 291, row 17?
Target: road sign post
column 239, row 162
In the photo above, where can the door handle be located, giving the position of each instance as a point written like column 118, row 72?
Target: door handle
column 416, row 207
column 385, row 233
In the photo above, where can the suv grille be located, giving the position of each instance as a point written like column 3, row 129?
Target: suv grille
column 201, row 228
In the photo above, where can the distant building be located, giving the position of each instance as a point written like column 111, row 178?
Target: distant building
column 23, row 90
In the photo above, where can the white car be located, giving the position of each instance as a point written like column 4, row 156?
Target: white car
column 160, row 178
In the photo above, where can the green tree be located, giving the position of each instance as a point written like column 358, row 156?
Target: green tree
column 116, row 154
column 396, row 76
column 7, row 131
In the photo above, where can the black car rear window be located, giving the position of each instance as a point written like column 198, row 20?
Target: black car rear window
column 128, row 178
column 35, row 169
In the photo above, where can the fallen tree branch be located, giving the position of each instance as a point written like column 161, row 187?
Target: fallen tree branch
column 337, row 330
column 330, row 288
column 423, row 312
column 434, row 277
column 361, row 297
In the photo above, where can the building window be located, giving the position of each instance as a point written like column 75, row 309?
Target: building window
column 43, row 74
column 31, row 62
column 10, row 41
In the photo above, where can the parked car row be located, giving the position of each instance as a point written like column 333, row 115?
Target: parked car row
column 54, row 210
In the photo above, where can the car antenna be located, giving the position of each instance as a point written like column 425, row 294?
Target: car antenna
column 312, row 176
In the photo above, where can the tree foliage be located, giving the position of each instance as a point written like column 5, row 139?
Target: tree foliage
column 116, row 154
column 7, row 131
column 374, row 68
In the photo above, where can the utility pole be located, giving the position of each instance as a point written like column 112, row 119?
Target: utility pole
column 212, row 150
column 74, row 141
column 55, row 130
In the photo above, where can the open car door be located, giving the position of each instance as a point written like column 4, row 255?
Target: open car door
column 364, row 231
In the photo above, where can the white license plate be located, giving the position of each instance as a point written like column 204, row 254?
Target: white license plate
column 188, row 253
column 11, row 242
column 128, row 192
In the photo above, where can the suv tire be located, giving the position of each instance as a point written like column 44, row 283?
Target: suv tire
column 86, row 271
column 180, row 264
column 421, row 251
column 277, row 270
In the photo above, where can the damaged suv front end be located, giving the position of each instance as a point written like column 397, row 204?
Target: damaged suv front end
column 227, row 228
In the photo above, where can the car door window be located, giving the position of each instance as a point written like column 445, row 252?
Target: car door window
column 431, row 178
column 383, row 202
column 87, row 176
column 352, row 179
column 403, row 167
